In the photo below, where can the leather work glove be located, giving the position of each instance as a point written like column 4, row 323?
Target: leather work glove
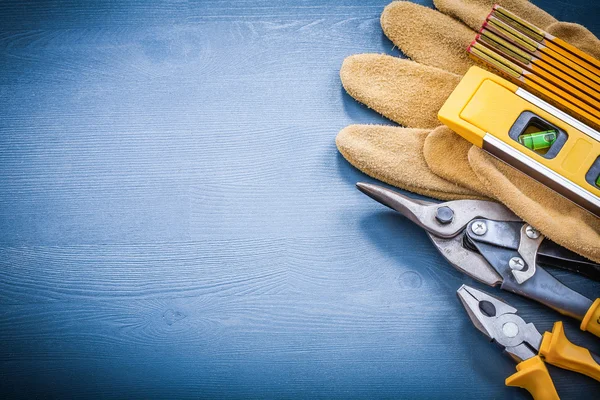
column 426, row 157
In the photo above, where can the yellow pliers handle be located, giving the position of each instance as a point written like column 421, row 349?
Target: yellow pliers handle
column 557, row 350
column 533, row 376
column 591, row 320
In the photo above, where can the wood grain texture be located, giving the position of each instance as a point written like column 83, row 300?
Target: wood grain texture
column 177, row 223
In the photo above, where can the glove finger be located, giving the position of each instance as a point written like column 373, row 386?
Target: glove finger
column 395, row 156
column 576, row 35
column 446, row 154
column 401, row 90
column 556, row 217
column 428, row 36
column 474, row 12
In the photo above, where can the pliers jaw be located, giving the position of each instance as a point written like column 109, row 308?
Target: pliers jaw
column 499, row 322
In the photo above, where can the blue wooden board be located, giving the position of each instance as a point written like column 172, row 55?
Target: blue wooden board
column 177, row 223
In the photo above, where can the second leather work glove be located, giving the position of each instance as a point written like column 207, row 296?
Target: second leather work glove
column 426, row 157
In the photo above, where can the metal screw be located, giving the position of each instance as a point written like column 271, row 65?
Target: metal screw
column 516, row 263
column 531, row 232
column 479, row 228
column 444, row 215
column 510, row 329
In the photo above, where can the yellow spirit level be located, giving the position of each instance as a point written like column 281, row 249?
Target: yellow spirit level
column 500, row 117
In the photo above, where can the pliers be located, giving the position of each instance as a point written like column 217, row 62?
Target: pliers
column 488, row 242
column 523, row 342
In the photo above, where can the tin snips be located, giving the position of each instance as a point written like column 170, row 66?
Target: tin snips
column 488, row 242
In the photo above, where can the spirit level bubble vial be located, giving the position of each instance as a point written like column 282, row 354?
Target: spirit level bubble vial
column 497, row 116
